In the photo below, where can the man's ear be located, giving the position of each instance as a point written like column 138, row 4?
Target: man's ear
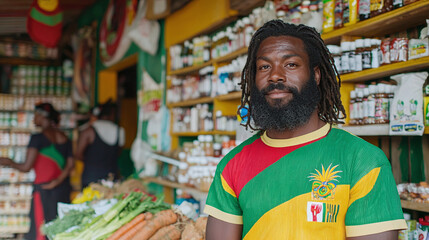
column 316, row 71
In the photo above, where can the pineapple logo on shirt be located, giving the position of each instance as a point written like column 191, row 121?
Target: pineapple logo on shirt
column 323, row 187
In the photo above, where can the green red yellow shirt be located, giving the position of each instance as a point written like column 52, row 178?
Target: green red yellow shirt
column 327, row 184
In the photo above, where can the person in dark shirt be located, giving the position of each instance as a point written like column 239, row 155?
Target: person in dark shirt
column 99, row 145
column 50, row 154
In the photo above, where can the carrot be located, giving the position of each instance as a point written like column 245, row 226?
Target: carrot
column 191, row 232
column 148, row 215
column 130, row 225
column 169, row 232
column 161, row 219
column 133, row 231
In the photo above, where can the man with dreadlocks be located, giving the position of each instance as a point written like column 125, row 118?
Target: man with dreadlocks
column 299, row 178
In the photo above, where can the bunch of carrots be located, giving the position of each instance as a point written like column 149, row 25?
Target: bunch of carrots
column 150, row 227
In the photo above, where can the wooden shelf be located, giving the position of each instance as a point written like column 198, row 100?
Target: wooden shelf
column 229, row 96
column 196, row 193
column 387, row 70
column 391, row 22
column 193, row 69
column 423, row 207
column 15, row 198
column 194, row 134
column 26, row 61
column 189, row 70
column 14, row 229
column 367, row 130
column 231, row 56
column 190, row 102
column 15, row 211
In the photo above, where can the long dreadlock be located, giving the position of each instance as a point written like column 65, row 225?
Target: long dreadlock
column 330, row 106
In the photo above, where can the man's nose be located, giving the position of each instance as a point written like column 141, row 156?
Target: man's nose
column 277, row 74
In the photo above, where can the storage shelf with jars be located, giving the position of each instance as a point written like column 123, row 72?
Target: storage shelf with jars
column 31, row 81
column 386, row 23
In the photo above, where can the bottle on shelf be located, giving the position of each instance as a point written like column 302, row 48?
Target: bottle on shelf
column 381, row 105
column 371, row 104
column 345, row 65
column 359, row 107
column 358, row 55
column 366, row 54
column 365, row 105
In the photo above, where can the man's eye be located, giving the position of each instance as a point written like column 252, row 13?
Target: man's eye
column 291, row 65
column 263, row 67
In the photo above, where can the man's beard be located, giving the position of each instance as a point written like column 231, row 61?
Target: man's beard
column 287, row 116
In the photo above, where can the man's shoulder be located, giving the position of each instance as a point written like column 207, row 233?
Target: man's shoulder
column 238, row 149
column 344, row 138
column 357, row 147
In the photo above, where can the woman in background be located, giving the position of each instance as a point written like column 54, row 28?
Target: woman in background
column 49, row 153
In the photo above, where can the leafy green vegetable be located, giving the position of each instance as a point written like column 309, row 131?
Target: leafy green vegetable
column 70, row 219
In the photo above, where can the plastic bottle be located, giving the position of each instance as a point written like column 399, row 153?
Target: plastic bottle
column 364, row 9
column 375, row 51
column 365, row 105
column 371, row 104
column 381, row 105
column 359, row 107
column 358, row 54
column 366, row 54
column 397, row 4
column 345, row 66
column 352, row 59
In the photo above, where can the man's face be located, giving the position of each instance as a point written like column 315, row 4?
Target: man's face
column 285, row 92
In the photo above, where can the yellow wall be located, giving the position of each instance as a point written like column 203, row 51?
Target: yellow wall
column 196, row 17
column 128, row 120
column 107, row 85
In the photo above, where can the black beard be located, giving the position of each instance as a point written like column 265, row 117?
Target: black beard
column 287, row 116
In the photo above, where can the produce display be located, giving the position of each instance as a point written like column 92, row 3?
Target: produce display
column 123, row 211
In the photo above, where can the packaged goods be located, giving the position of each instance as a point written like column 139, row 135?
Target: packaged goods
column 418, row 48
column 406, row 115
column 398, row 50
column 328, row 15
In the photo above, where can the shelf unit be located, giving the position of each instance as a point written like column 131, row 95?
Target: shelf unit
column 196, row 68
column 196, row 193
column 16, row 198
column 14, row 229
column 366, row 130
column 387, row 70
column 417, row 206
column 397, row 20
column 26, row 61
column 192, row 102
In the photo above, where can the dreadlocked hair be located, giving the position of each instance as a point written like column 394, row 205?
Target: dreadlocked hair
column 330, row 106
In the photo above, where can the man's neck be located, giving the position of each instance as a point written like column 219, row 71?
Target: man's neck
column 312, row 125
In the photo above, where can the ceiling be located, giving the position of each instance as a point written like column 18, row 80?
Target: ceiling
column 13, row 13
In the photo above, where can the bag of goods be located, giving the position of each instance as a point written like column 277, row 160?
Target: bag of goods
column 406, row 109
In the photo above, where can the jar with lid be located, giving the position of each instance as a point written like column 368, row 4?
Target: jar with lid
column 366, row 54
column 375, row 53
column 381, row 105
column 345, row 66
column 358, row 54
column 352, row 59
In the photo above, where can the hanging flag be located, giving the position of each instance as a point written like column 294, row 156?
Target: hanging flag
column 45, row 22
column 114, row 28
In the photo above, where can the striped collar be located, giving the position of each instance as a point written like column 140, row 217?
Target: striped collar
column 321, row 132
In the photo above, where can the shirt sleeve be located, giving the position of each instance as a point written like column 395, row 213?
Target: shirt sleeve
column 35, row 142
column 222, row 202
column 374, row 204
